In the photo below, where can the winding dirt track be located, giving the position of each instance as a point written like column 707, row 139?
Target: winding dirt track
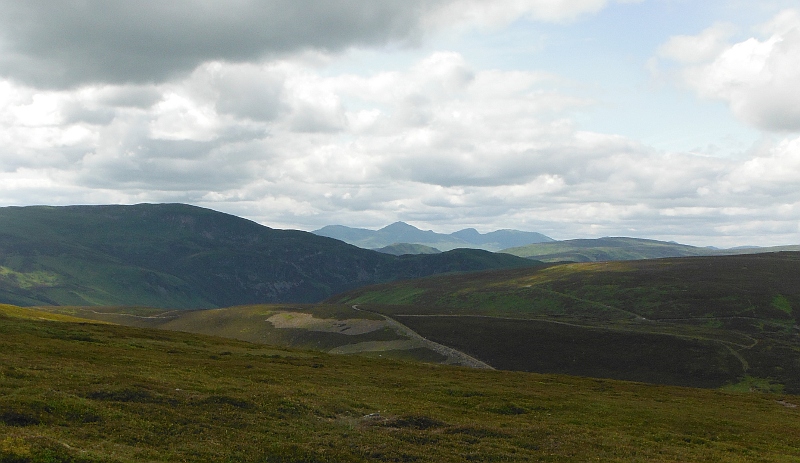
column 455, row 357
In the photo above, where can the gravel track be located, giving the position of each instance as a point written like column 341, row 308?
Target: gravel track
column 455, row 357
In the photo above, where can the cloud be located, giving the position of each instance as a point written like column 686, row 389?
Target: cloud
column 698, row 48
column 234, row 107
column 439, row 142
column 773, row 173
column 490, row 14
column 759, row 78
column 56, row 44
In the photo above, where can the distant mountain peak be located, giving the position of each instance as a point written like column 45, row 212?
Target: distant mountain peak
column 467, row 233
column 399, row 226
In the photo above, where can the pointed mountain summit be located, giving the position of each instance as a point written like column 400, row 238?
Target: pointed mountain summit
column 399, row 227
column 401, row 232
column 467, row 234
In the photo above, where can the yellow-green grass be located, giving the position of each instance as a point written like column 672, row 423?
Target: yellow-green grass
column 86, row 393
column 34, row 314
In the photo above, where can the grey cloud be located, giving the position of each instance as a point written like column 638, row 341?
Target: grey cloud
column 52, row 43
column 75, row 112
column 173, row 165
column 251, row 93
column 164, row 174
column 309, row 119
column 130, row 96
column 414, row 111
column 16, row 160
column 772, row 108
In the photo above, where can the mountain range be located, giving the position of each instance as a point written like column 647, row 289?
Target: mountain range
column 401, row 238
column 181, row 256
column 401, row 232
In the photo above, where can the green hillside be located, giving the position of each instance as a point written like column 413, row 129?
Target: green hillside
column 697, row 321
column 605, row 249
column 336, row 329
column 179, row 256
column 82, row 392
column 611, row 249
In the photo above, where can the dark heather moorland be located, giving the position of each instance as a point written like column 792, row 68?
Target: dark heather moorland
column 701, row 321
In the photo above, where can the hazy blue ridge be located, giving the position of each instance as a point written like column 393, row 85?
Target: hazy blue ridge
column 400, row 232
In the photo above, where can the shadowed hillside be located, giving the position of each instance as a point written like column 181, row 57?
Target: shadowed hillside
column 179, row 256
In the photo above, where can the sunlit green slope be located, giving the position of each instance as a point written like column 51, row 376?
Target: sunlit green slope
column 612, row 249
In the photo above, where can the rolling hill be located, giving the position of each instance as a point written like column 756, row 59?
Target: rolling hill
column 400, row 232
column 79, row 392
column 399, row 249
column 180, row 256
column 334, row 329
column 619, row 248
column 695, row 321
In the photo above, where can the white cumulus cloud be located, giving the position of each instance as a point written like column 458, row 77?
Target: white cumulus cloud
column 758, row 77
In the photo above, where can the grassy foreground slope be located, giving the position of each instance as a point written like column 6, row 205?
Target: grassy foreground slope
column 82, row 392
column 180, row 256
column 699, row 321
column 619, row 248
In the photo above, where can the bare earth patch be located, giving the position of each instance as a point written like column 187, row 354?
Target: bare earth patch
column 786, row 404
column 352, row 326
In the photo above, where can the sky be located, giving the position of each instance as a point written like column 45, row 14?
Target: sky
column 665, row 119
